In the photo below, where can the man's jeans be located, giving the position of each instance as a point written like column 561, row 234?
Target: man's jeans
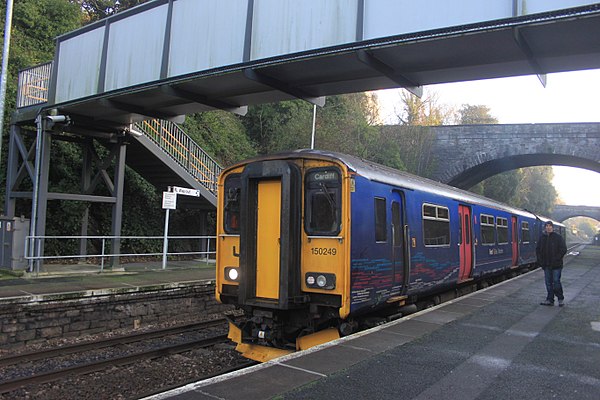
column 553, row 285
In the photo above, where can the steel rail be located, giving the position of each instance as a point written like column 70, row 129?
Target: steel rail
column 96, row 366
column 136, row 337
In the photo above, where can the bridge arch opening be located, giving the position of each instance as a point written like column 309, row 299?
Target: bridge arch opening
column 480, row 167
column 582, row 228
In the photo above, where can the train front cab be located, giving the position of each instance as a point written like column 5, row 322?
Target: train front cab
column 281, row 253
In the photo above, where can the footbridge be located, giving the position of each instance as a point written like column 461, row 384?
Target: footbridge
column 168, row 58
column 564, row 212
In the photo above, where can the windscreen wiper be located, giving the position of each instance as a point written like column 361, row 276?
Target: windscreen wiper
column 328, row 196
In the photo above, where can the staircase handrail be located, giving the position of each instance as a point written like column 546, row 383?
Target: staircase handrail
column 33, row 85
column 171, row 139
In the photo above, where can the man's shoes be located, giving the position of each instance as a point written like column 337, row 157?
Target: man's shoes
column 561, row 303
column 547, row 303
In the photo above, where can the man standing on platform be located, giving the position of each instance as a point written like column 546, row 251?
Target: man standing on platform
column 550, row 251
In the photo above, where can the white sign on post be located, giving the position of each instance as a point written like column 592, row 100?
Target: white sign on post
column 169, row 201
column 186, row 191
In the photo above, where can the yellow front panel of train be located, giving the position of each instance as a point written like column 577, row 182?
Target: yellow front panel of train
column 267, row 239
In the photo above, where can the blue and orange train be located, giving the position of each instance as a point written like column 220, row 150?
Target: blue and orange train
column 310, row 243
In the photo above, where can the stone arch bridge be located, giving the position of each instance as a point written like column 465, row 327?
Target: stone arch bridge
column 564, row 212
column 467, row 154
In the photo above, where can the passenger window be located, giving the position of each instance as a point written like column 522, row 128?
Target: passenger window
column 231, row 213
column 380, row 220
column 487, row 229
column 436, row 225
column 322, row 214
column 502, row 226
column 525, row 232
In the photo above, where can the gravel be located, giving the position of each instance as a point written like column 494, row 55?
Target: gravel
column 123, row 382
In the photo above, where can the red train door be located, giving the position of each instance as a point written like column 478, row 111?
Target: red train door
column 515, row 242
column 400, row 264
column 466, row 244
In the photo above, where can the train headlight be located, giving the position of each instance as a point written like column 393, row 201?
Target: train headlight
column 318, row 280
column 321, row 281
column 232, row 274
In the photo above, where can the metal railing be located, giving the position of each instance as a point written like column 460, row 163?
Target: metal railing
column 35, row 242
column 33, row 85
column 181, row 148
column 33, row 89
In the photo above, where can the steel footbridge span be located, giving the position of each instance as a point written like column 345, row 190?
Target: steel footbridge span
column 167, row 58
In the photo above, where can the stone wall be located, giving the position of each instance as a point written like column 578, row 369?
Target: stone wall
column 35, row 319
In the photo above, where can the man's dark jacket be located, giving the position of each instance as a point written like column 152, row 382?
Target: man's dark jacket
column 550, row 250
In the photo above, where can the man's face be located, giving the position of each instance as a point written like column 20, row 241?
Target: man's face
column 549, row 228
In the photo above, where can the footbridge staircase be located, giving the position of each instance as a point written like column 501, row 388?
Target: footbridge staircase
column 159, row 150
column 166, row 156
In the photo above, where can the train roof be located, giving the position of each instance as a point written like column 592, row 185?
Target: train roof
column 401, row 179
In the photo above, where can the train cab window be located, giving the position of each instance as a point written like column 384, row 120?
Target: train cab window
column 487, row 229
column 436, row 225
column 525, row 232
column 380, row 220
column 323, row 191
column 231, row 208
column 502, row 226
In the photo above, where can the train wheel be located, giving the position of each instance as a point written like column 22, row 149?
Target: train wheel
column 348, row 327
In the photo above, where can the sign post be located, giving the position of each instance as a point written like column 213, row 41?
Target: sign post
column 169, row 202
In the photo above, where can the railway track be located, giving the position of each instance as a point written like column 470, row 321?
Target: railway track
column 99, row 365
column 136, row 337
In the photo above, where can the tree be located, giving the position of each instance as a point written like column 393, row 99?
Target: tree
column 279, row 126
column 479, row 114
column 535, row 191
column 95, row 10
column 406, row 145
column 424, row 111
column 586, row 226
column 35, row 25
column 342, row 125
column 220, row 134
column 502, row 187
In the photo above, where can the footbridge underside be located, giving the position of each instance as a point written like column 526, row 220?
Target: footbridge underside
column 170, row 58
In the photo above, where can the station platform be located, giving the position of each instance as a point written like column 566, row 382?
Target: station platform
column 497, row 343
column 60, row 279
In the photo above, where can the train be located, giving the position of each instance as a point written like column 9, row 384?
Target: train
column 311, row 244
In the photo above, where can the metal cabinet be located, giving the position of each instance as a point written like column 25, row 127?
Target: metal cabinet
column 13, row 233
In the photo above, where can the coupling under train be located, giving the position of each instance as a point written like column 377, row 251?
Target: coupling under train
column 311, row 243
